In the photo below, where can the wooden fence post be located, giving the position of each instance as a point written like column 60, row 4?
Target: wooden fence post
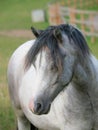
column 92, row 28
column 82, row 25
column 72, row 16
column 54, row 14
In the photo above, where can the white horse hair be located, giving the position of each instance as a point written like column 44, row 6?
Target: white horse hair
column 53, row 81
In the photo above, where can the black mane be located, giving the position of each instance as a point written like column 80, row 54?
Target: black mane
column 47, row 39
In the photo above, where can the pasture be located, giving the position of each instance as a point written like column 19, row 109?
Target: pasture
column 16, row 15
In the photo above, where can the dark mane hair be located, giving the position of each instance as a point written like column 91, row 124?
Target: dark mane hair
column 47, row 39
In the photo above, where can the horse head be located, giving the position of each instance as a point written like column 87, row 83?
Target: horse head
column 54, row 55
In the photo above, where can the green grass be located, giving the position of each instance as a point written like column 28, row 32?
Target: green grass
column 16, row 14
column 7, row 46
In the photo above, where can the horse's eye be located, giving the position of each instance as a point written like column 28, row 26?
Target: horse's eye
column 54, row 68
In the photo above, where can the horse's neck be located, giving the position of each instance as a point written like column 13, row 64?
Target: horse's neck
column 85, row 83
column 86, row 74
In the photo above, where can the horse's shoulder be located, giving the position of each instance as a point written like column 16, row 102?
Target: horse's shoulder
column 22, row 49
column 19, row 53
column 17, row 60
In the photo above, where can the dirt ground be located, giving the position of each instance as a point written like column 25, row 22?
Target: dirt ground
column 18, row 33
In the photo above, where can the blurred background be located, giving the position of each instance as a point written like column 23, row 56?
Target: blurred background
column 16, row 19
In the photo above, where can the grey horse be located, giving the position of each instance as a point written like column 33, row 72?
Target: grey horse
column 53, row 81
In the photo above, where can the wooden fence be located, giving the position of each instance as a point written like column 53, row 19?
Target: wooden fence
column 86, row 20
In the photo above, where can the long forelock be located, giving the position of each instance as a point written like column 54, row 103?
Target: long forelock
column 47, row 39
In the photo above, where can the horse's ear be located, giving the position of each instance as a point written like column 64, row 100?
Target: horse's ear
column 36, row 32
column 58, row 34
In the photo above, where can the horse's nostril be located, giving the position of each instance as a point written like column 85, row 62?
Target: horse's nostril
column 38, row 107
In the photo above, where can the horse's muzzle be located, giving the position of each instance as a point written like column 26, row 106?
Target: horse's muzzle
column 38, row 107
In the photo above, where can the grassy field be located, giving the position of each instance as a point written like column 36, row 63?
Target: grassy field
column 16, row 14
column 7, row 46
